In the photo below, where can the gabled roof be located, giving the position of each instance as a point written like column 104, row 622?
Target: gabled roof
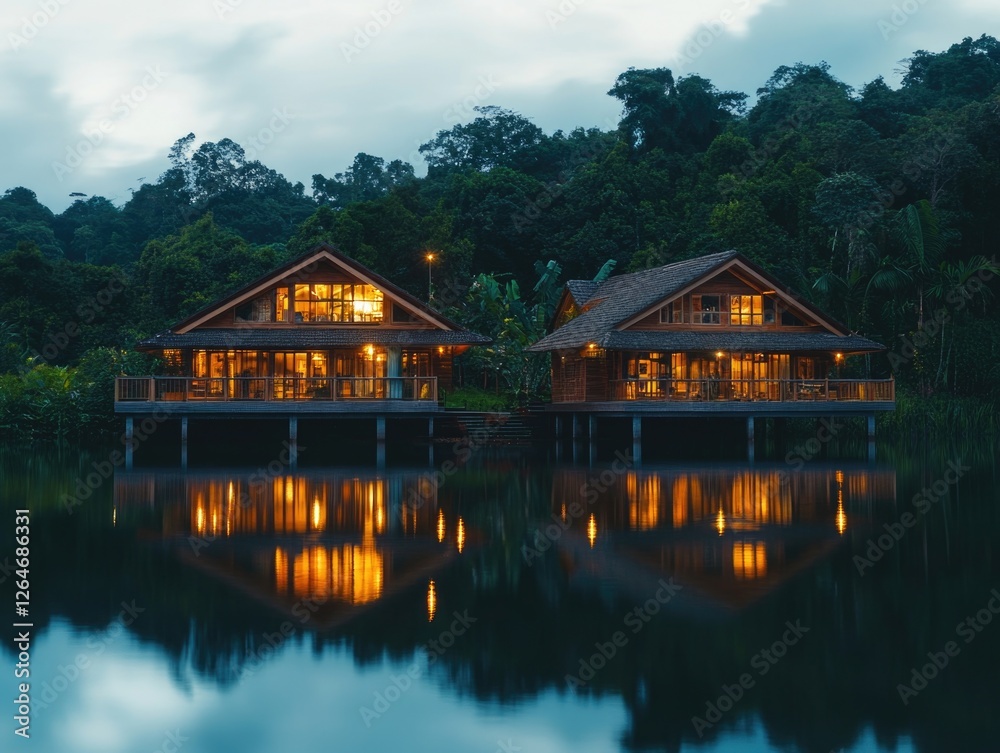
column 623, row 299
column 582, row 290
column 185, row 333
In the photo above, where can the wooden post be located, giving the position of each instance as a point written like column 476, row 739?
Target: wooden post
column 184, row 442
column 430, row 441
column 129, row 450
column 380, row 441
column 750, row 439
column 293, row 442
column 871, row 437
column 637, row 439
column 592, row 437
column 559, row 427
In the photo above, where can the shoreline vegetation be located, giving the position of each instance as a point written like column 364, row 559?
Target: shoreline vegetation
column 877, row 203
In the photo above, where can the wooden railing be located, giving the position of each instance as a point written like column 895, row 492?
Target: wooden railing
column 766, row 390
column 269, row 389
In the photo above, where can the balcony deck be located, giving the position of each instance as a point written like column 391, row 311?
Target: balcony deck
column 276, row 396
column 779, row 398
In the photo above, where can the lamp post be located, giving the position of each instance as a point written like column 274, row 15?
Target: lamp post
column 430, row 258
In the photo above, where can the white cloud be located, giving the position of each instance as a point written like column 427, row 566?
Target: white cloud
column 229, row 64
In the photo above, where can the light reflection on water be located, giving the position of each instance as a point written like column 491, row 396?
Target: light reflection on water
column 277, row 609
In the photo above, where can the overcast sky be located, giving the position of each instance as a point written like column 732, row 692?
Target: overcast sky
column 93, row 93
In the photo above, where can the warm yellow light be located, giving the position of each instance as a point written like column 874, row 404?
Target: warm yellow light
column 200, row 519
column 430, row 258
column 369, row 350
column 317, row 512
column 562, row 512
column 592, row 346
column 114, row 517
column 592, row 530
column 720, row 522
column 440, row 525
column 749, row 560
column 432, row 601
column 839, row 356
column 460, row 536
column 720, row 354
column 440, row 350
column 841, row 519
column 280, row 570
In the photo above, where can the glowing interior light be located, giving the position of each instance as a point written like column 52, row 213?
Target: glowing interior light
column 592, row 530
column 440, row 525
column 432, row 601
column 460, row 536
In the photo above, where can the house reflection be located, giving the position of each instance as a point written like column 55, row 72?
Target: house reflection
column 732, row 533
column 335, row 541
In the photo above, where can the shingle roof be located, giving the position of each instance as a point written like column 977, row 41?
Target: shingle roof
column 304, row 338
column 582, row 290
column 744, row 342
column 624, row 295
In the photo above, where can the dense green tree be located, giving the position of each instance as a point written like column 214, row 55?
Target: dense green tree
column 182, row 273
column 496, row 138
column 659, row 113
column 877, row 204
column 367, row 178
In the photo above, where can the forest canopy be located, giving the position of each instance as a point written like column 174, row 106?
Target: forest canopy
column 876, row 203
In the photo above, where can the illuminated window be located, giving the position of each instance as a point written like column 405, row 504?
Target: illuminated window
column 332, row 302
column 282, row 312
column 746, row 310
column 173, row 362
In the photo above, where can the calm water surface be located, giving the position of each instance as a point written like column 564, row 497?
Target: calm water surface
column 515, row 606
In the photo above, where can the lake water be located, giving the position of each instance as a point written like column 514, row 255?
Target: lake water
column 510, row 605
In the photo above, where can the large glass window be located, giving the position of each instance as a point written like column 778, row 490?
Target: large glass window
column 334, row 302
column 746, row 310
